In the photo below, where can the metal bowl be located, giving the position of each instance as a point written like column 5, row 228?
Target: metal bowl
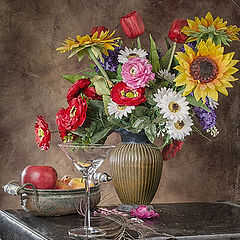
column 51, row 202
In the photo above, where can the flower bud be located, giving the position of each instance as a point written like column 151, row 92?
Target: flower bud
column 170, row 150
column 98, row 29
column 132, row 25
column 175, row 33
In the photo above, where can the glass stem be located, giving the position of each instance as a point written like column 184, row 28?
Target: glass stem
column 87, row 202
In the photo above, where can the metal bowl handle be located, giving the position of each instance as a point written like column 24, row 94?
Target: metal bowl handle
column 14, row 188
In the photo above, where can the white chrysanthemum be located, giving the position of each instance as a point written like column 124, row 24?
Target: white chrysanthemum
column 179, row 129
column 119, row 111
column 128, row 53
column 173, row 106
column 212, row 103
column 160, row 93
column 166, row 75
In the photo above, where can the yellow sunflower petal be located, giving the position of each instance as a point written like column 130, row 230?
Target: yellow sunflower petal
column 189, row 87
column 213, row 94
column 223, row 90
column 181, row 79
column 209, row 18
column 197, row 93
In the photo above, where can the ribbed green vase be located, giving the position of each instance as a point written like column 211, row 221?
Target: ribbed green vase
column 136, row 171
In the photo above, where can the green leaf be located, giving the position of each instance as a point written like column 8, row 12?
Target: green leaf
column 73, row 78
column 149, row 95
column 165, row 60
column 141, row 111
column 100, row 135
column 75, row 51
column 138, row 43
column 106, row 101
column 100, row 84
column 141, row 122
column 154, row 59
column 119, row 72
column 192, row 100
column 167, row 42
column 81, row 55
column 90, row 74
column 151, row 131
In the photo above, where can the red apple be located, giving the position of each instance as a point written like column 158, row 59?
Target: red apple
column 42, row 177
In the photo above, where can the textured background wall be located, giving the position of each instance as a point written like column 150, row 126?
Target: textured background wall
column 31, row 85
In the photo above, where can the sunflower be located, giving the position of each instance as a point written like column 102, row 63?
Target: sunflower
column 207, row 72
column 208, row 28
column 103, row 42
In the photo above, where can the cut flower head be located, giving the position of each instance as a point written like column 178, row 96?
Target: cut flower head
column 206, row 72
column 207, row 27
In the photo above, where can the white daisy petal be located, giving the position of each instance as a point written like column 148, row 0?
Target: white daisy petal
column 172, row 105
column 129, row 53
column 119, row 111
column 178, row 130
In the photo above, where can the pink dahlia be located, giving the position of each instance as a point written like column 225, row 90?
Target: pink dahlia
column 137, row 72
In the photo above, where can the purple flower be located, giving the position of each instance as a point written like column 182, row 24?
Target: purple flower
column 143, row 212
column 191, row 45
column 110, row 62
column 206, row 119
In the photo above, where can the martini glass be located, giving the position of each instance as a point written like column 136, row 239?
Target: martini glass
column 87, row 159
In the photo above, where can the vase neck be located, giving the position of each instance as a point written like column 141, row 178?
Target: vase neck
column 129, row 137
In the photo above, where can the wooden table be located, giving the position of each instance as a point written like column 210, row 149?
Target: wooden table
column 218, row 220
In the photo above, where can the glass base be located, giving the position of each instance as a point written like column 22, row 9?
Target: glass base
column 86, row 233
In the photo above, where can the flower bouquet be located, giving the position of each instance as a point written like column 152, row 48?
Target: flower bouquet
column 143, row 90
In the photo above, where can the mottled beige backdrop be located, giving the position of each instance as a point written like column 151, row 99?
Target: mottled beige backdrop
column 31, row 85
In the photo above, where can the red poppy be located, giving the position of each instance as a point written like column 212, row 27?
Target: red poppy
column 132, row 25
column 90, row 92
column 171, row 150
column 79, row 86
column 98, row 29
column 124, row 95
column 74, row 116
column 43, row 134
column 175, row 33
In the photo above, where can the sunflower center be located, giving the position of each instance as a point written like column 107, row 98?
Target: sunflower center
column 179, row 124
column 173, row 107
column 121, row 108
column 132, row 55
column 204, row 69
column 40, row 133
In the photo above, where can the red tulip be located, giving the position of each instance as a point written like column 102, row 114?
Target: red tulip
column 132, row 25
column 175, row 33
column 171, row 150
column 98, row 29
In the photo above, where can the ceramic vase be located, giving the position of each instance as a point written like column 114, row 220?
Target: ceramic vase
column 136, row 167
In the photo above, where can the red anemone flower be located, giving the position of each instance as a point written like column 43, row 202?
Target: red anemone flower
column 73, row 116
column 124, row 95
column 43, row 134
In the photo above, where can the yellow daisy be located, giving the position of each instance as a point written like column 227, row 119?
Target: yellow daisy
column 206, row 72
column 104, row 42
column 208, row 27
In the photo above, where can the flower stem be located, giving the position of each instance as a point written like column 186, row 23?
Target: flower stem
column 138, row 43
column 92, row 56
column 171, row 56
